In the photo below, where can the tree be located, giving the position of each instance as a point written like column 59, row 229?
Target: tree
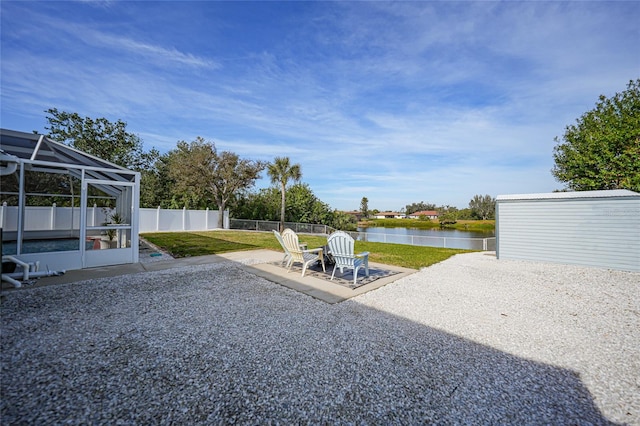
column 466, row 214
column 344, row 221
column 448, row 217
column 418, row 207
column 157, row 188
column 101, row 138
column 201, row 174
column 364, row 207
column 108, row 141
column 483, row 206
column 602, row 150
column 303, row 206
column 261, row 205
column 280, row 172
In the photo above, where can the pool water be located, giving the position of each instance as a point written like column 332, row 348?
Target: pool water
column 45, row 246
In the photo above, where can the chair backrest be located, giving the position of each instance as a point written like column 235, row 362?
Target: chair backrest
column 292, row 244
column 341, row 246
column 280, row 240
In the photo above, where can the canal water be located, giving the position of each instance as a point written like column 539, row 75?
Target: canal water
column 449, row 238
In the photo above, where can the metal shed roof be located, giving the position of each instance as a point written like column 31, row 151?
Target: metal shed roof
column 613, row 193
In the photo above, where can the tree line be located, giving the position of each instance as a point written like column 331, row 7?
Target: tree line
column 481, row 207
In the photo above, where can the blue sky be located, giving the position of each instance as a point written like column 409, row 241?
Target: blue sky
column 399, row 102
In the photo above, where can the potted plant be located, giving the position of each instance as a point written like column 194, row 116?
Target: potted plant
column 112, row 219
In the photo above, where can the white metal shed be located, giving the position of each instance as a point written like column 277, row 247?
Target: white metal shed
column 592, row 228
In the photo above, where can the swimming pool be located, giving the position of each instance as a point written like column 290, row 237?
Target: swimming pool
column 45, row 246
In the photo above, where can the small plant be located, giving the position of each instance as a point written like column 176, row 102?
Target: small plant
column 116, row 219
column 112, row 219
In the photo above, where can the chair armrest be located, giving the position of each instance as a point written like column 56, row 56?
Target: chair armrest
column 315, row 250
column 363, row 254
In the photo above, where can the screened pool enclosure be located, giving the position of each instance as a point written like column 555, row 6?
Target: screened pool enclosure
column 64, row 208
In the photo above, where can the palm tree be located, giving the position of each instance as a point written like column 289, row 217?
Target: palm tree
column 280, row 171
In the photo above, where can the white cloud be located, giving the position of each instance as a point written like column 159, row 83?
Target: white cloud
column 154, row 52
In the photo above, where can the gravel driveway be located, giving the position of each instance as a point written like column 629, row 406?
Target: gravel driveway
column 471, row 340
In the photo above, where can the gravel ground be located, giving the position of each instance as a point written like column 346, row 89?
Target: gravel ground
column 471, row 340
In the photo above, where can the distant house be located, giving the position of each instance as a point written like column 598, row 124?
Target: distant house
column 389, row 215
column 431, row 214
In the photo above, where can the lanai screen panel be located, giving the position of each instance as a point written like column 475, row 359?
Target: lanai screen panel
column 88, row 180
column 42, row 152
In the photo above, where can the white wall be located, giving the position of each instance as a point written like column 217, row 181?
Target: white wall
column 600, row 229
column 49, row 218
column 152, row 220
column 67, row 219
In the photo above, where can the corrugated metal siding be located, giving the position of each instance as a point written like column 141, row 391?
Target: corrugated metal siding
column 594, row 232
column 610, row 193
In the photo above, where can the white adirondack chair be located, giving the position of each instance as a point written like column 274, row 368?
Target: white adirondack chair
column 299, row 255
column 287, row 255
column 341, row 246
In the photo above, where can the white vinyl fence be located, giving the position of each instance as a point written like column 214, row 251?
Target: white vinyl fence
column 153, row 220
column 55, row 218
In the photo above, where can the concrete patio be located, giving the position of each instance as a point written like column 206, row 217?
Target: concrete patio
column 265, row 267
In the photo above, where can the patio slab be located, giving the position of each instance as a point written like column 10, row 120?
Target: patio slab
column 324, row 289
column 266, row 268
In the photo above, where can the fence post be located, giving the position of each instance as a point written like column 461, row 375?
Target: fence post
column 3, row 215
column 444, row 242
column 184, row 218
column 206, row 219
column 52, row 218
column 158, row 219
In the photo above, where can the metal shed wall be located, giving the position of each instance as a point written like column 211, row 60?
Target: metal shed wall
column 592, row 228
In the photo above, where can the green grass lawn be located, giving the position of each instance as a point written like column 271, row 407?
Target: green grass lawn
column 183, row 244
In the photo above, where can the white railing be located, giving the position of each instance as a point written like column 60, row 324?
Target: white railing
column 266, row 225
column 484, row 244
